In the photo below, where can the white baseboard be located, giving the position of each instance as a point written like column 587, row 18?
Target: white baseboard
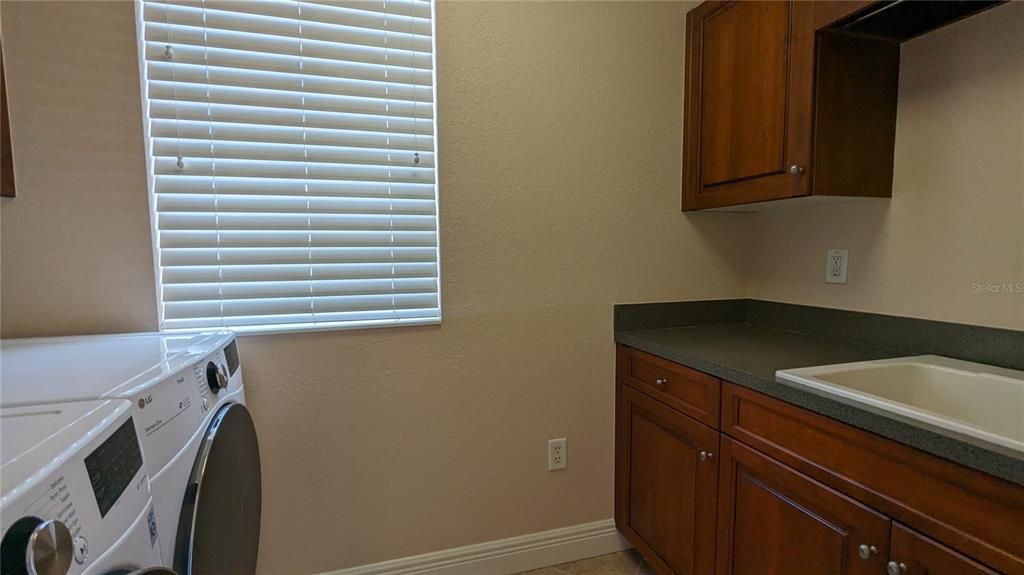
column 506, row 556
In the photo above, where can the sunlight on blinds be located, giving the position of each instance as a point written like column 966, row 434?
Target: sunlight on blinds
column 291, row 149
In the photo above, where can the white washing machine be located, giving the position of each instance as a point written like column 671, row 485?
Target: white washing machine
column 197, row 436
column 75, row 492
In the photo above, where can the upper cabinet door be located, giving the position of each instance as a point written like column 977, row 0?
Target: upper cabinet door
column 749, row 85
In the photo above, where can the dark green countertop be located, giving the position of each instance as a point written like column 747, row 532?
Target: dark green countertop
column 749, row 355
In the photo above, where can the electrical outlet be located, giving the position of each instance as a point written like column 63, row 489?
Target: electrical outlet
column 556, row 454
column 835, row 266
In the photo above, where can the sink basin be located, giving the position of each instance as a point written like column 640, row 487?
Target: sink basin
column 978, row 401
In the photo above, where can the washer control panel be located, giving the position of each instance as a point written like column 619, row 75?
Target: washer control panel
column 170, row 412
column 166, row 415
column 73, row 491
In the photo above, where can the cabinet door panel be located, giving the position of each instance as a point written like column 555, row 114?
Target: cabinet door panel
column 776, row 521
column 749, row 85
column 662, row 483
column 665, row 492
column 923, row 556
column 743, row 92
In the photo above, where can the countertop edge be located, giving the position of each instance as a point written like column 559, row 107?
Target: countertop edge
column 888, row 426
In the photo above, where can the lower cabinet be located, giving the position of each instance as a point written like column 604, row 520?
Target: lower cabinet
column 915, row 554
column 666, row 479
column 779, row 490
column 773, row 519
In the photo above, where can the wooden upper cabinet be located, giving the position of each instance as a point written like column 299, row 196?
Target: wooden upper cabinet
column 743, row 92
column 753, row 107
column 741, row 126
column 666, row 484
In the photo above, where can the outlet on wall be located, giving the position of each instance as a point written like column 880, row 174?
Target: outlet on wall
column 557, row 454
column 835, row 266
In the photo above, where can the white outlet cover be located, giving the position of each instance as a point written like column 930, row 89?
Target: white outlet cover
column 557, row 454
column 836, row 264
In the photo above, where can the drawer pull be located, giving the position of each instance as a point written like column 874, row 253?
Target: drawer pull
column 894, row 568
column 661, row 381
column 867, row 551
column 706, row 455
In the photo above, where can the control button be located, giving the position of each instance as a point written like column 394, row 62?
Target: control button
column 206, row 404
column 81, row 550
column 223, row 376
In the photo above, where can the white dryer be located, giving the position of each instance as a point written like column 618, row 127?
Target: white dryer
column 75, row 493
column 188, row 406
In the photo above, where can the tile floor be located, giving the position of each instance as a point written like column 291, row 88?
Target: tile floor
column 622, row 563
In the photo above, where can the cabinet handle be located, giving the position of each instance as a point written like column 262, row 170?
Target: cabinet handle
column 796, row 169
column 661, row 381
column 706, row 455
column 894, row 568
column 867, row 551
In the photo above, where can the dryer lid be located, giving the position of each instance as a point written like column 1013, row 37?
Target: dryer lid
column 35, row 439
column 53, row 369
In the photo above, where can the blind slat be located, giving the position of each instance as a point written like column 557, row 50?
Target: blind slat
column 215, row 112
column 226, row 149
column 174, row 184
column 217, row 131
column 295, row 288
column 293, row 166
column 356, row 268
column 293, row 204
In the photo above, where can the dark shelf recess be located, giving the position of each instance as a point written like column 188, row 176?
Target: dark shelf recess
column 901, row 20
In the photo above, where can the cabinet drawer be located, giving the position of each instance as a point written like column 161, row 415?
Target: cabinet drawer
column 694, row 393
column 975, row 513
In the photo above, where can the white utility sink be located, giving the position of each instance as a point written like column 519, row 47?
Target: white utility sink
column 971, row 399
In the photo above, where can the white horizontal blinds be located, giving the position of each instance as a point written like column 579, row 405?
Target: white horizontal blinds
column 293, row 161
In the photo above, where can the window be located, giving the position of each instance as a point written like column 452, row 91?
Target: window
column 291, row 155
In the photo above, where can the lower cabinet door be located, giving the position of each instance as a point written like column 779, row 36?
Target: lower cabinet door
column 666, row 479
column 915, row 554
column 774, row 520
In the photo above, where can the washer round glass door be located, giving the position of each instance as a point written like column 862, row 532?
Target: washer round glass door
column 219, row 527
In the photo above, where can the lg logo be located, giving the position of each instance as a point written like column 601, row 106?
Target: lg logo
column 144, row 401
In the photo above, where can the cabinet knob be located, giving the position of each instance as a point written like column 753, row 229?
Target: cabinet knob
column 894, row 568
column 867, row 551
column 706, row 455
column 661, row 381
column 796, row 169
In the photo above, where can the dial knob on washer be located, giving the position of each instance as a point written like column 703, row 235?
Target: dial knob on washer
column 215, row 378
column 49, row 550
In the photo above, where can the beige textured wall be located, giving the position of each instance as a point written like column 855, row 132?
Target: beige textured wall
column 76, row 251
column 559, row 174
column 560, row 167
column 950, row 243
column 559, row 143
